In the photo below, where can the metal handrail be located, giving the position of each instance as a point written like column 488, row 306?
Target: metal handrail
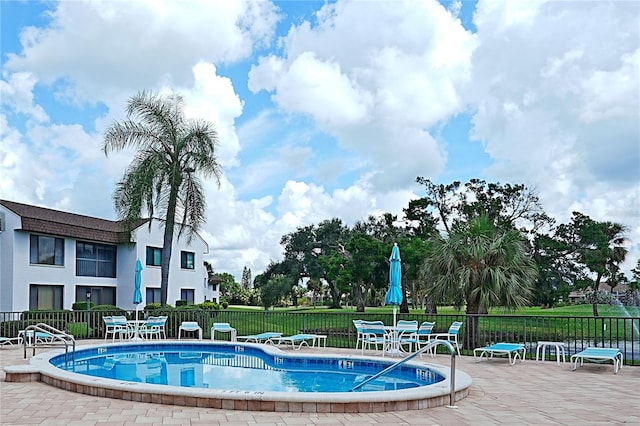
column 56, row 335
column 430, row 345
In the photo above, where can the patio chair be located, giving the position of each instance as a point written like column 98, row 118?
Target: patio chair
column 451, row 335
column 266, row 337
column 422, row 337
column 223, row 327
column 500, row 349
column 116, row 326
column 373, row 333
column 191, row 327
column 153, row 328
column 356, row 324
column 406, row 332
column 599, row 355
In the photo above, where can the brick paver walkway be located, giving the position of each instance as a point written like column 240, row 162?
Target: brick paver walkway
column 524, row 394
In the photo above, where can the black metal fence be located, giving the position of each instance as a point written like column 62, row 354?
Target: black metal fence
column 576, row 333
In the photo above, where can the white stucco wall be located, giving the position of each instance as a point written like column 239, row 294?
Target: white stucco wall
column 17, row 273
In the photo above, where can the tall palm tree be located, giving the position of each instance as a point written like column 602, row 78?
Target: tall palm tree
column 164, row 174
column 480, row 266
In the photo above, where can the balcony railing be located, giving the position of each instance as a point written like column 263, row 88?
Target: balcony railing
column 577, row 333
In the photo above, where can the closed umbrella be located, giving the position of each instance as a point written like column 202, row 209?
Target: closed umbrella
column 394, row 293
column 137, row 292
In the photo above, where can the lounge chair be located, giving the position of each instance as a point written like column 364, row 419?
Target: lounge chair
column 501, row 349
column 223, row 327
column 190, row 326
column 599, row 355
column 297, row 339
column 9, row 341
column 266, row 337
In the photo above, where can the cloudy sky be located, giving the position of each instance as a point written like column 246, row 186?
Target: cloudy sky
column 330, row 109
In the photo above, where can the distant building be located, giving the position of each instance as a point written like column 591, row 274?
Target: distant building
column 618, row 292
column 50, row 259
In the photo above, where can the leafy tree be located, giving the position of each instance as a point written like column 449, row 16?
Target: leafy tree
column 358, row 264
column 172, row 153
column 556, row 272
column 413, row 251
column 303, row 248
column 504, row 205
column 274, row 291
column 480, row 266
column 232, row 291
column 596, row 248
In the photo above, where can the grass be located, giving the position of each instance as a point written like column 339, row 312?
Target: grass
column 585, row 310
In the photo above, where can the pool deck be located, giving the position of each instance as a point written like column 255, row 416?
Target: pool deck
column 525, row 393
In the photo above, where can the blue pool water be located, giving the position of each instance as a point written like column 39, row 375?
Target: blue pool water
column 239, row 367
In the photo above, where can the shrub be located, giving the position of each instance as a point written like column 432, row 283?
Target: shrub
column 210, row 306
column 82, row 306
column 78, row 329
column 152, row 306
column 110, row 308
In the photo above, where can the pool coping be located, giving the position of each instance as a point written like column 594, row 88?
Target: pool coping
column 434, row 395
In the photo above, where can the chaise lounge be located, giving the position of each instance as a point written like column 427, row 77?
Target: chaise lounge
column 308, row 340
column 267, row 337
column 599, row 355
column 501, row 349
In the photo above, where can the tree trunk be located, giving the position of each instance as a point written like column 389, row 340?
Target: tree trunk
column 472, row 328
column 335, row 294
column 431, row 306
column 404, row 306
column 360, row 297
column 167, row 245
column 596, row 287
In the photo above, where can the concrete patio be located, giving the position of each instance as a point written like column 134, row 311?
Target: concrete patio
column 528, row 393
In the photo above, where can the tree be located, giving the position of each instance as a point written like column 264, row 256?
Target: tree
column 303, row 248
column 480, row 266
column 274, row 291
column 597, row 248
column 172, row 153
column 504, row 205
column 246, row 278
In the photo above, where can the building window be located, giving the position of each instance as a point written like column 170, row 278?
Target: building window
column 99, row 295
column 154, row 256
column 188, row 295
column 95, row 260
column 45, row 296
column 153, row 295
column 47, row 250
column 186, row 259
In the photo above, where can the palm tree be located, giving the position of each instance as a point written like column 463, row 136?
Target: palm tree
column 480, row 266
column 164, row 175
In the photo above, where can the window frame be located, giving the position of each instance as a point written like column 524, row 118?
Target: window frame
column 189, row 295
column 184, row 260
column 35, row 254
column 152, row 255
column 101, row 265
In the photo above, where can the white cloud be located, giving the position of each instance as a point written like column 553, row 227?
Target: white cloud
column 145, row 44
column 17, row 93
column 555, row 92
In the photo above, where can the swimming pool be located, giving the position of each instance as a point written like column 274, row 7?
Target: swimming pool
column 239, row 368
column 191, row 374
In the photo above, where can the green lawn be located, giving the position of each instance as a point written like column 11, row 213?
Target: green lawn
column 565, row 311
